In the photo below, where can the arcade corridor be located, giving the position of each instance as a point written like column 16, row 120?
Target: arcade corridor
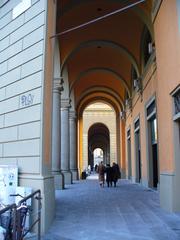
column 57, row 59
column 128, row 212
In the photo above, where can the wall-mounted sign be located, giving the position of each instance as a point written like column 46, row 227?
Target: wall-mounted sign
column 20, row 8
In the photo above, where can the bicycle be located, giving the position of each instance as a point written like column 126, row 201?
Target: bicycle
column 21, row 215
column 23, row 210
column 16, row 226
column 8, row 226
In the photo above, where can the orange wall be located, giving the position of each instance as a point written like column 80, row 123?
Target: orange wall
column 159, row 82
column 150, row 86
column 168, row 72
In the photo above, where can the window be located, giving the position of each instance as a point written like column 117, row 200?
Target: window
column 133, row 76
column 128, row 133
column 147, row 47
column 177, row 102
column 136, row 124
column 154, row 131
column 151, row 109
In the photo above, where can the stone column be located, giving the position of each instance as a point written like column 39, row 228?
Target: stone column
column 56, row 135
column 73, row 145
column 65, row 163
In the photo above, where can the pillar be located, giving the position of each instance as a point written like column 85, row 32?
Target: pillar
column 65, row 163
column 73, row 145
column 56, row 136
column 122, row 152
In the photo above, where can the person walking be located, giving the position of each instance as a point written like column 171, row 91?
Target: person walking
column 101, row 171
column 115, row 173
column 109, row 175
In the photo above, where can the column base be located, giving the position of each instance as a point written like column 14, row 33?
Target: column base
column 67, row 177
column 58, row 180
column 46, row 185
column 123, row 174
column 145, row 182
column 133, row 179
column 169, row 192
column 74, row 174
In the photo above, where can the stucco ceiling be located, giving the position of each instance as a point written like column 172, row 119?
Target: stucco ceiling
column 101, row 53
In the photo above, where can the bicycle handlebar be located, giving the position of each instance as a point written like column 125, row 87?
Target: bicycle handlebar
column 16, row 195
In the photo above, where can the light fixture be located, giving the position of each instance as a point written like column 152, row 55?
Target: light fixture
column 123, row 115
column 151, row 47
column 137, row 84
column 128, row 103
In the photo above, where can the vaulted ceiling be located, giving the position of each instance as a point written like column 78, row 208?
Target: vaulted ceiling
column 101, row 54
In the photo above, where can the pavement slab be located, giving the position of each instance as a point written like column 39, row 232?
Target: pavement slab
column 86, row 211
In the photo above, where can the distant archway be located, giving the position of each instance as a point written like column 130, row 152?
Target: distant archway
column 98, row 138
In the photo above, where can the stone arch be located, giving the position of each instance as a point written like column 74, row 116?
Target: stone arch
column 91, row 97
column 111, row 44
column 101, row 131
column 117, row 104
column 107, row 70
column 99, row 140
column 137, row 11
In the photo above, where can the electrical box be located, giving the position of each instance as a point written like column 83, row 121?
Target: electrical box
column 8, row 183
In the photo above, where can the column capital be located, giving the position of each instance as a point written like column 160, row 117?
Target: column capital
column 58, row 84
column 65, row 103
column 72, row 115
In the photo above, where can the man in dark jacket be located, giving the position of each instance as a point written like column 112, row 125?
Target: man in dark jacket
column 115, row 173
column 109, row 175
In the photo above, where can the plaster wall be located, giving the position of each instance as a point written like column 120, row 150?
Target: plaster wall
column 168, row 71
column 139, row 110
column 23, row 90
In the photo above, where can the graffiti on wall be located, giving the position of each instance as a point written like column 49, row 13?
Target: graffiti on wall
column 26, row 100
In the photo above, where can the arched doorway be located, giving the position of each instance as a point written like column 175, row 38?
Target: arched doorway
column 98, row 130
column 98, row 138
column 98, row 156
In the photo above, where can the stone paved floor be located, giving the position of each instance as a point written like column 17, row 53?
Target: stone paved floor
column 128, row 212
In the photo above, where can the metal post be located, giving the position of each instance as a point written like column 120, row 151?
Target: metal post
column 39, row 215
column 14, row 215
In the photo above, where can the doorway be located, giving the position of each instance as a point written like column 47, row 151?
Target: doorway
column 129, row 154
column 153, row 171
column 98, row 156
column 153, row 153
column 138, row 156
